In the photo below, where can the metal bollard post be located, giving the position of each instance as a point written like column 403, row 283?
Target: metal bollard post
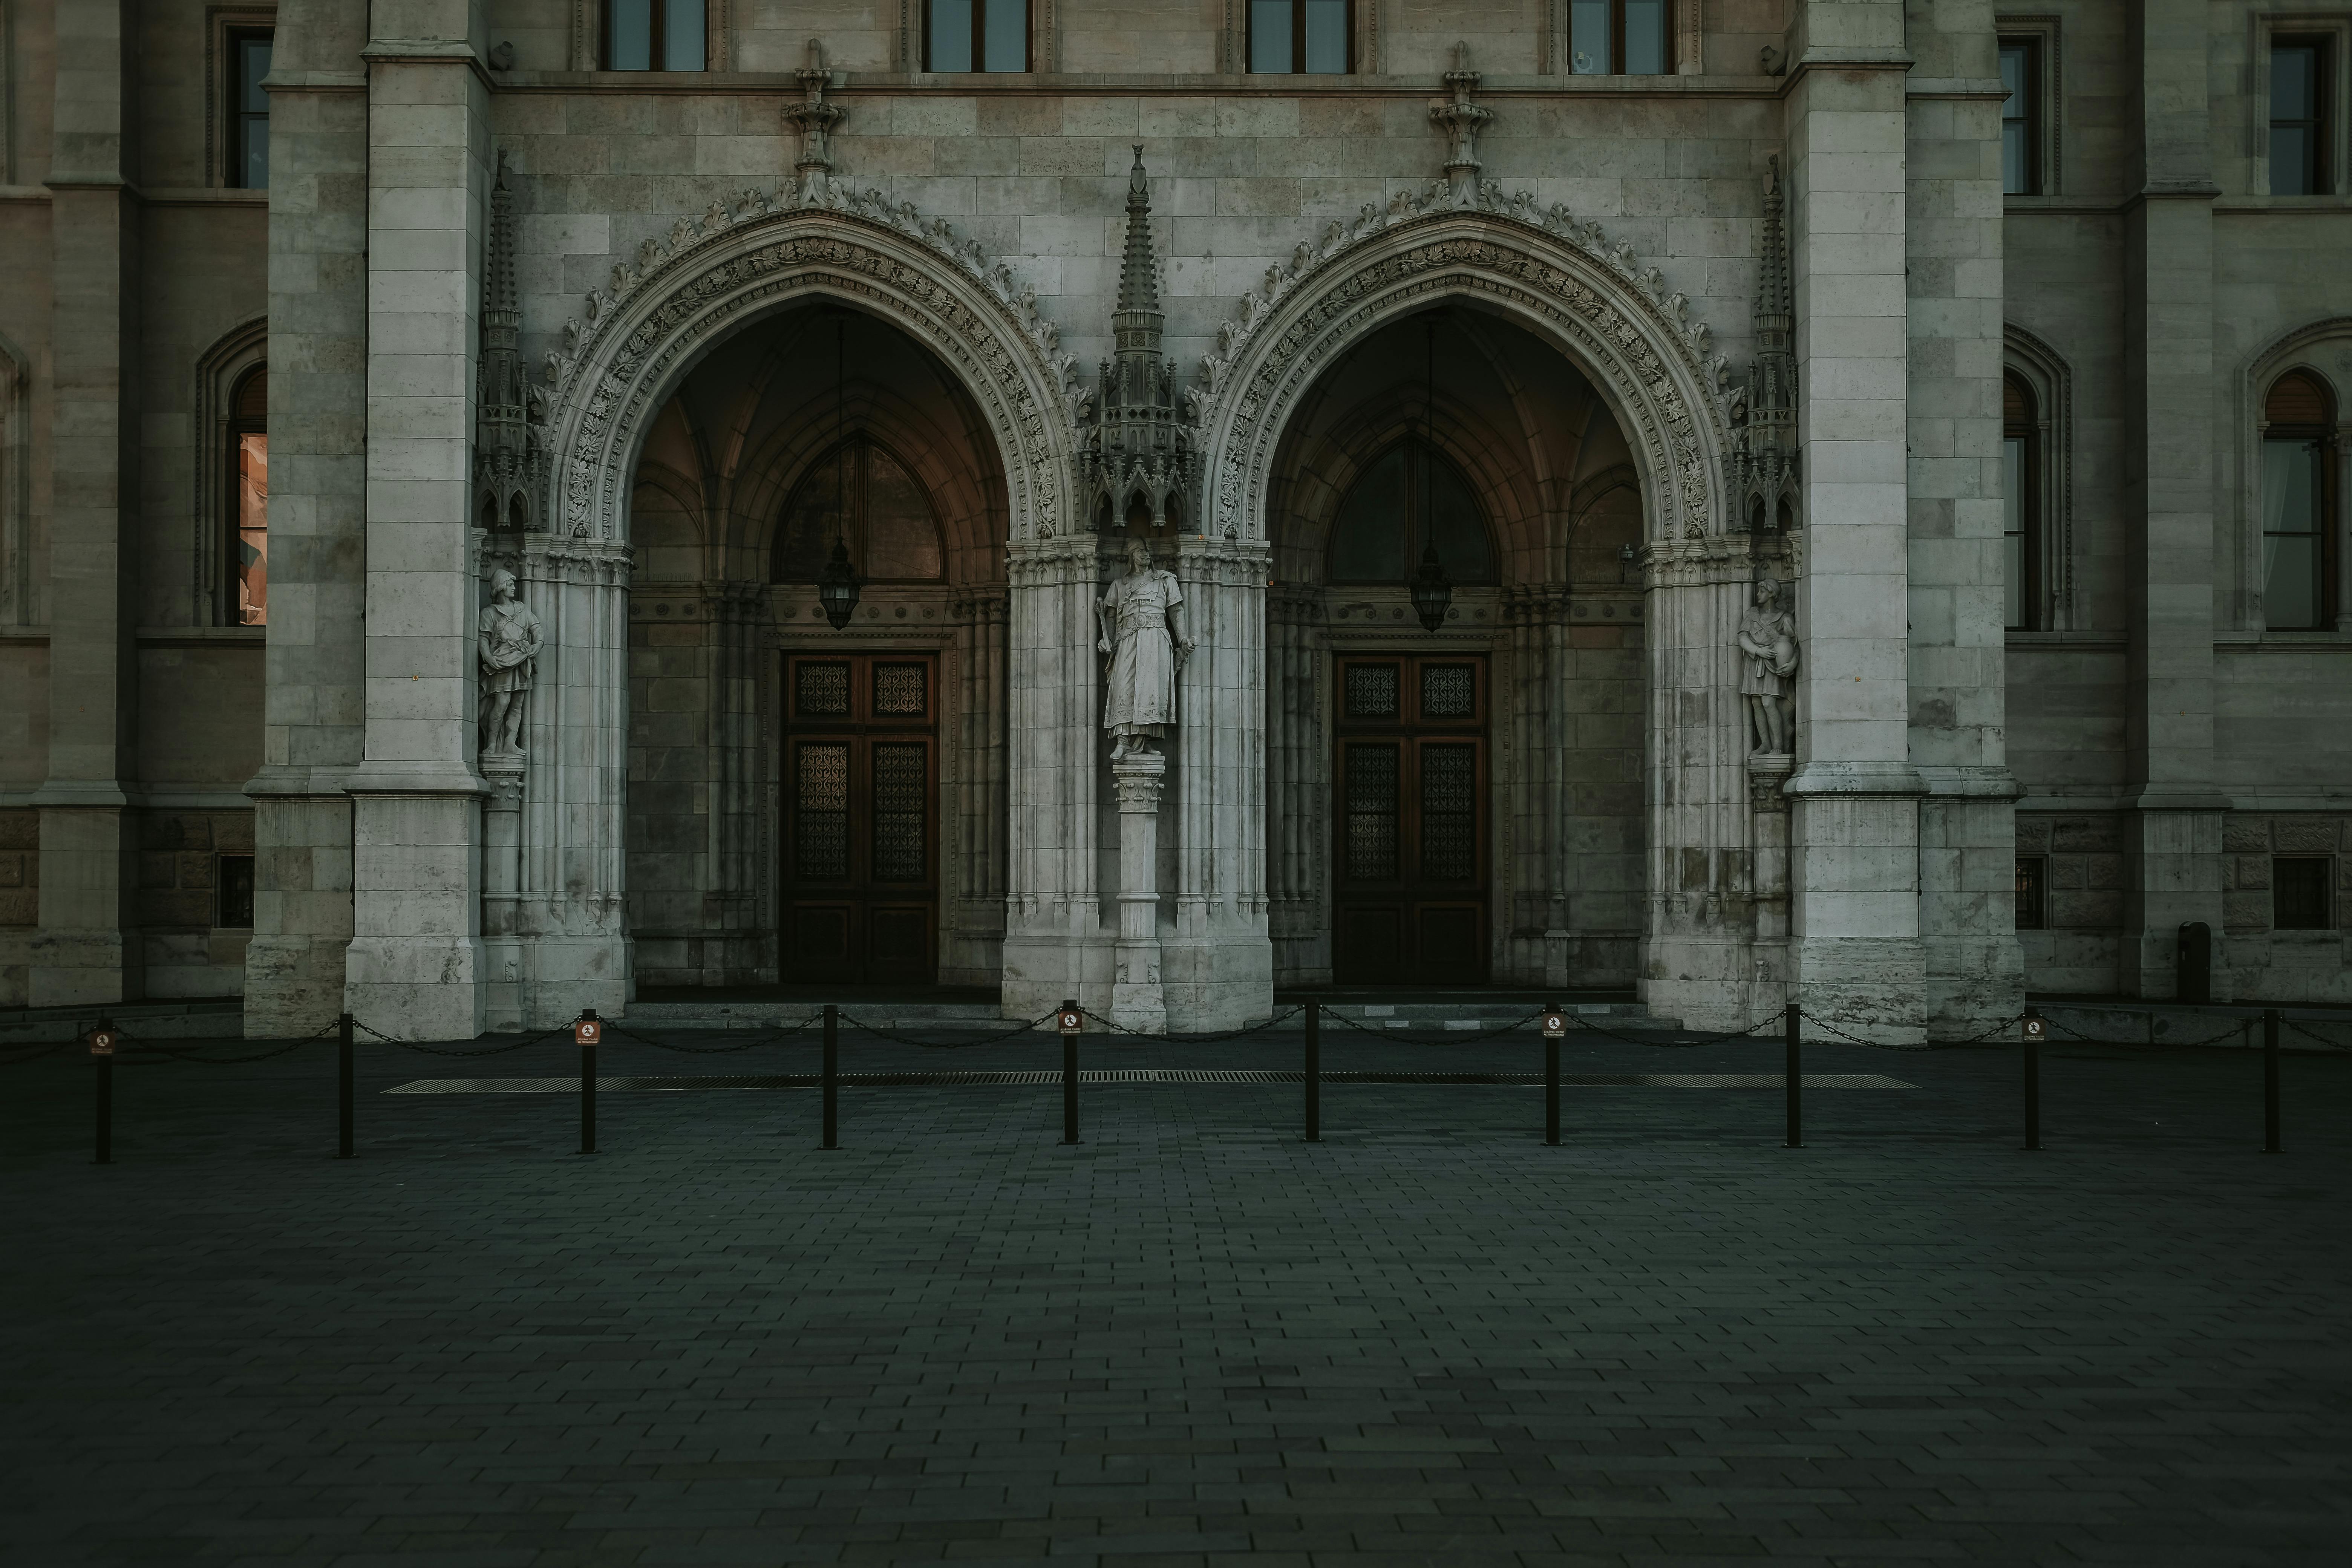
column 1315, row 1072
column 831, row 1076
column 2034, row 1029
column 1796, row 1077
column 101, row 1055
column 1555, row 1029
column 586, row 1031
column 2271, row 1081
column 1072, row 1021
column 343, row 1085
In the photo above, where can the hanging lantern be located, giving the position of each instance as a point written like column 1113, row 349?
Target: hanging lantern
column 837, row 586
column 1433, row 594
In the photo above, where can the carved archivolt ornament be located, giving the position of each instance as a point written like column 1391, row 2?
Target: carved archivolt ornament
column 1638, row 341
column 714, row 274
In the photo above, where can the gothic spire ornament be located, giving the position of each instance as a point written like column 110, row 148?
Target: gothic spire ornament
column 1462, row 120
column 814, row 118
column 1138, row 463
column 1764, row 459
column 509, row 462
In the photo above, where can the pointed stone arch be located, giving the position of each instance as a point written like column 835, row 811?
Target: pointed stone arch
column 743, row 261
column 1634, row 341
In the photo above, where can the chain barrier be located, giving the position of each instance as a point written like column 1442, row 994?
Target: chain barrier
column 186, row 1054
column 2321, row 1039
column 2236, row 1031
column 1461, row 1036
column 1243, row 1033
column 999, row 1036
column 562, row 1032
column 774, row 1037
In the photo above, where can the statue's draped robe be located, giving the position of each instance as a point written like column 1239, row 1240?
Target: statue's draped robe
column 1139, row 698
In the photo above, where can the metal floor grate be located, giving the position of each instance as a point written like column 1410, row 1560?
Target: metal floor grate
column 1135, row 1075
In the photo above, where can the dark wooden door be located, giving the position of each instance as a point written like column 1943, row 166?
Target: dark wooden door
column 861, row 818
column 1410, row 854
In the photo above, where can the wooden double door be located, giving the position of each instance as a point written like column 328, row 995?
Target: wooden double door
column 1411, row 824
column 860, row 840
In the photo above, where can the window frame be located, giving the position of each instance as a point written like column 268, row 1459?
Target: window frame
column 238, row 119
column 236, row 427
column 980, row 39
column 2327, row 901
column 252, row 890
column 1297, row 40
column 657, row 27
column 2332, row 30
column 2029, row 94
column 2033, row 543
column 2041, row 37
column 1670, row 44
column 2040, row 873
column 858, row 470
column 2322, row 122
column 2330, row 523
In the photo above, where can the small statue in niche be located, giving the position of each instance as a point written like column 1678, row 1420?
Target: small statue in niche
column 1768, row 647
column 1142, row 622
column 510, row 639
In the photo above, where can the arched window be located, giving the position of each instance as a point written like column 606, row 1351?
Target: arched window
column 1408, row 498
column 248, row 536
column 861, row 491
column 2298, row 504
column 2022, row 541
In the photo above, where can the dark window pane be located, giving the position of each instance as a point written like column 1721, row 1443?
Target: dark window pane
column 900, row 779
column 950, row 35
column 1454, row 526
column 2294, row 82
column 900, row 540
column 631, row 45
column 1449, row 813
column 2014, row 501
column 805, row 541
column 2033, row 871
column 1269, row 37
column 2299, row 892
column 252, row 65
column 1326, row 37
column 821, row 814
column 1006, row 35
column 2012, row 81
column 1369, row 542
column 682, row 48
column 2292, row 163
column 2291, row 532
column 234, row 882
column 820, row 690
column 1372, row 813
column 1645, row 38
column 2014, row 169
column 2297, row 115
column 1371, row 691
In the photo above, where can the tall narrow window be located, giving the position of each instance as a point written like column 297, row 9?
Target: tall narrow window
column 1619, row 37
column 248, row 467
column 2300, row 885
column 2021, row 450
column 1310, row 37
column 2298, row 504
column 2299, row 130
column 976, row 35
column 2033, row 891
column 656, row 34
column 1409, row 499
column 248, row 142
column 2020, row 113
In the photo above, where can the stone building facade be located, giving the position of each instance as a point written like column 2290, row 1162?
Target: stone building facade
column 1736, row 498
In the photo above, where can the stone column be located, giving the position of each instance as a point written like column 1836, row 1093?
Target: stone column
column 1767, row 775
column 414, row 965
column 1853, row 813
column 1055, row 944
column 1959, row 675
column 312, row 728
column 1218, row 963
column 2172, row 830
column 88, row 947
column 1136, row 1000
column 501, row 880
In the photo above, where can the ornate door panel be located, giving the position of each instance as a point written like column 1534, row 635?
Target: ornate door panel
column 860, row 845
column 1411, row 905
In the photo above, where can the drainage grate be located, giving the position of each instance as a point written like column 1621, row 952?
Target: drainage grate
column 1134, row 1075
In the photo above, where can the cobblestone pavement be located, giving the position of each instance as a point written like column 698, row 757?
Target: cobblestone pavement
column 1191, row 1340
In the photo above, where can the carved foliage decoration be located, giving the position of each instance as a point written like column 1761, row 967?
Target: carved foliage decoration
column 714, row 273
column 1639, row 339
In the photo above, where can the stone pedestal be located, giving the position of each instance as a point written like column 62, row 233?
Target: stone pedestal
column 1136, row 1000
column 501, row 887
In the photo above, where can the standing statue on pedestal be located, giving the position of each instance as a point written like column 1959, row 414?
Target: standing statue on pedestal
column 509, row 659
column 1768, row 647
column 1142, row 620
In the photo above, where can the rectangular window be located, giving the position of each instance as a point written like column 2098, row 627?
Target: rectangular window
column 1292, row 38
column 2021, row 141
column 2033, row 892
column 1620, row 38
column 994, row 33
column 248, row 140
column 656, row 34
column 2299, row 89
column 2294, row 481
column 2300, row 885
column 247, row 535
column 232, row 892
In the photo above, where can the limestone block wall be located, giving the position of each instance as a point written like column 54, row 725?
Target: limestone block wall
column 2266, row 963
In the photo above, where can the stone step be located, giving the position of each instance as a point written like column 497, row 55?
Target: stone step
column 206, row 1018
